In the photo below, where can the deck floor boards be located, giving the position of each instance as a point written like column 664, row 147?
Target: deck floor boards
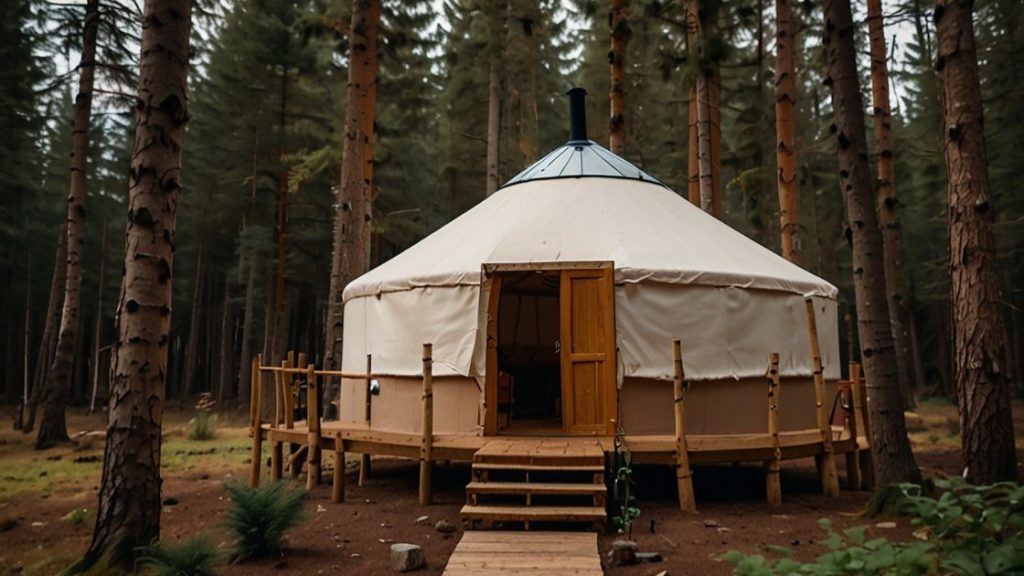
column 482, row 553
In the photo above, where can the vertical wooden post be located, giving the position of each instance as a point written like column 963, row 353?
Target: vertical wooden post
column 684, row 478
column 276, row 446
column 427, row 442
column 853, row 476
column 827, row 459
column 860, row 413
column 772, row 467
column 278, row 398
column 255, row 424
column 364, row 460
column 276, row 458
column 254, row 387
column 313, row 420
column 288, row 395
column 338, row 487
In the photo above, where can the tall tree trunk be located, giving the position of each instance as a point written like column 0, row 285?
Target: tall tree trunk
column 368, row 156
column 785, row 129
column 48, row 342
column 19, row 424
column 280, row 229
column 494, row 53
column 895, row 282
column 703, row 107
column 188, row 377
column 52, row 427
column 619, row 21
column 893, row 459
column 225, row 388
column 128, row 515
column 350, row 222
column 715, row 124
column 979, row 345
column 692, row 165
column 97, row 334
column 249, row 264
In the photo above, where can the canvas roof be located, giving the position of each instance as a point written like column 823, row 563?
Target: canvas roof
column 650, row 233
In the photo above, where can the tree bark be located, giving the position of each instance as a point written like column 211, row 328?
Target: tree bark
column 979, row 344
column 785, row 129
column 892, row 246
column 19, row 423
column 280, row 230
column 128, row 515
column 619, row 22
column 692, row 166
column 188, row 378
column 225, row 386
column 48, row 342
column 348, row 258
column 97, row 334
column 52, row 427
column 703, row 109
column 494, row 99
column 249, row 264
column 893, row 459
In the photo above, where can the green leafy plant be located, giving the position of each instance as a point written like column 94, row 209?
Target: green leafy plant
column 971, row 530
column 260, row 517
column 192, row 557
column 623, row 485
column 204, row 425
column 977, row 530
column 849, row 553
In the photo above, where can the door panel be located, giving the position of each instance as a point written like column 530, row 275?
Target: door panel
column 588, row 351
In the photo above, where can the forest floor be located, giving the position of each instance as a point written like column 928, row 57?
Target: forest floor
column 40, row 532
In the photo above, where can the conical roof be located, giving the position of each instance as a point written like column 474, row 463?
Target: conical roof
column 650, row 233
column 577, row 159
column 582, row 203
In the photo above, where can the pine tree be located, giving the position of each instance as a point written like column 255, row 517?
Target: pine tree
column 128, row 515
column 979, row 344
column 52, row 427
column 348, row 258
column 892, row 457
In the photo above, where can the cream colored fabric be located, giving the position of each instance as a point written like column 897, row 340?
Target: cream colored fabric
column 679, row 273
column 650, row 232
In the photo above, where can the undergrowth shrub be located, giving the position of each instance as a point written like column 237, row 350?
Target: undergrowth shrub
column 204, row 425
column 192, row 557
column 971, row 530
column 261, row 516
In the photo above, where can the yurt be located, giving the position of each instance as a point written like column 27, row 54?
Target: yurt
column 552, row 305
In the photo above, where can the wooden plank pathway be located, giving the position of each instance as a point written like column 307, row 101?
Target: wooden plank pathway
column 495, row 553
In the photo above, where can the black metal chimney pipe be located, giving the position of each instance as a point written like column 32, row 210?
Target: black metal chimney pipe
column 578, row 116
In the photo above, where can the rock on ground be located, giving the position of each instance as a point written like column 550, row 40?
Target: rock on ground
column 407, row 557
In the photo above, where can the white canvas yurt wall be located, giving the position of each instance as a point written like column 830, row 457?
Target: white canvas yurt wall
column 678, row 273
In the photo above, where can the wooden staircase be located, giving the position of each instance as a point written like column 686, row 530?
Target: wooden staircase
column 529, row 482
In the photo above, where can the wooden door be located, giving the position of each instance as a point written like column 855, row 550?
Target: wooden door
column 588, row 351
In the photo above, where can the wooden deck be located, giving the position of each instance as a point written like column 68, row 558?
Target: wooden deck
column 704, row 449
column 528, row 458
column 525, row 553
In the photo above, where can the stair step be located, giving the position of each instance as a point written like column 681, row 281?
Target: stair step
column 535, row 488
column 534, row 513
column 540, row 459
column 552, row 467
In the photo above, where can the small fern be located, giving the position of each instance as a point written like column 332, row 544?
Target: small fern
column 192, row 557
column 261, row 516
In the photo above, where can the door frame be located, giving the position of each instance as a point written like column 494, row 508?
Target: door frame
column 492, row 276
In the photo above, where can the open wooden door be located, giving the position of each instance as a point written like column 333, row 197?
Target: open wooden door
column 588, row 351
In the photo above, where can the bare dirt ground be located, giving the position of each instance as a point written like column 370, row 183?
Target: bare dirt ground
column 39, row 489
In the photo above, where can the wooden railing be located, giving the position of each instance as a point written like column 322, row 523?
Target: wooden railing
column 858, row 462
column 288, row 381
